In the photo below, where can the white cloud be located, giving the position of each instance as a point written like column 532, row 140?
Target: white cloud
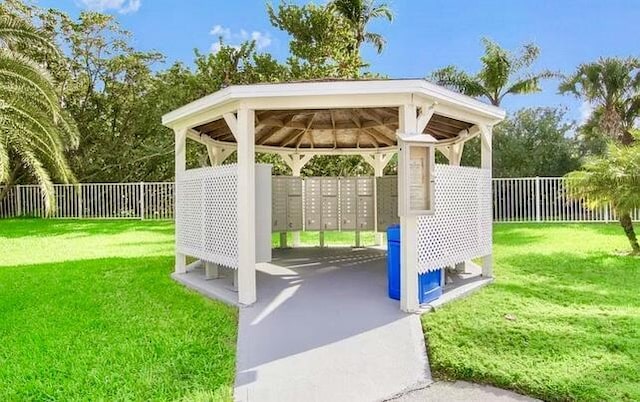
column 219, row 30
column 121, row 6
column 262, row 39
column 586, row 109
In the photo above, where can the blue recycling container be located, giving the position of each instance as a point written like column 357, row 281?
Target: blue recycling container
column 429, row 286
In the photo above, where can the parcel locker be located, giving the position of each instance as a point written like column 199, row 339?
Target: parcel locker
column 387, row 197
column 294, row 213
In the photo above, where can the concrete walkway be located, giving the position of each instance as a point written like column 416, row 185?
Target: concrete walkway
column 323, row 329
column 461, row 391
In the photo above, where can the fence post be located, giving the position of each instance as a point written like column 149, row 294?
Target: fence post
column 80, row 206
column 18, row 201
column 141, row 200
column 538, row 200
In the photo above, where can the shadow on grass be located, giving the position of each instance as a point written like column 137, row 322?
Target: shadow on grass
column 16, row 228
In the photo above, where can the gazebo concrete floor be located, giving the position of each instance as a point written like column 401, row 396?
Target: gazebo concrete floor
column 323, row 329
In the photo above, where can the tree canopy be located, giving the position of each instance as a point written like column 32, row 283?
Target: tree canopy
column 35, row 129
column 503, row 73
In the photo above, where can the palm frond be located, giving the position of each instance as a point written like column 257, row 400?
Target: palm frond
column 15, row 31
column 458, row 80
column 15, row 67
column 376, row 40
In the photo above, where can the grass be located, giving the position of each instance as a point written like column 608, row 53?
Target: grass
column 89, row 312
column 309, row 239
column 561, row 321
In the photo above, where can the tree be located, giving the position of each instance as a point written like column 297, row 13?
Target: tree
column 612, row 86
column 321, row 42
column 35, row 130
column 534, row 142
column 501, row 74
column 358, row 14
column 613, row 179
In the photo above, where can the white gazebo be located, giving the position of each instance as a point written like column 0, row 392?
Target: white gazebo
column 223, row 211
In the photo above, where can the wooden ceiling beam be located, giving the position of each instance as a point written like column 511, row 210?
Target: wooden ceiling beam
column 381, row 138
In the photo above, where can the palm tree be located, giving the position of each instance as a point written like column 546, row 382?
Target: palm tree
column 499, row 76
column 34, row 129
column 613, row 179
column 358, row 13
column 612, row 86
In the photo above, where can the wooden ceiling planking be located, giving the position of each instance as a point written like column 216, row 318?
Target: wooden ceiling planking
column 336, row 128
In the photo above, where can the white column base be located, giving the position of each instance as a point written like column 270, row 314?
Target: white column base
column 379, row 238
column 295, row 239
column 487, row 266
column 283, row 239
column 181, row 263
column 211, row 270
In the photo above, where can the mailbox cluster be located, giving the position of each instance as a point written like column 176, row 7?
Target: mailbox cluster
column 356, row 203
column 387, row 200
column 286, row 198
column 330, row 203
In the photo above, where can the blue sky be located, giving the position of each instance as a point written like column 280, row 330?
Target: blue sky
column 425, row 34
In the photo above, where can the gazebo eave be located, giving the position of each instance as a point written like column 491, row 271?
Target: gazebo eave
column 329, row 95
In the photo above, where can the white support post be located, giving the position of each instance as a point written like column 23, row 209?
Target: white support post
column 408, row 224
column 211, row 270
column 378, row 162
column 296, row 162
column 245, row 136
column 486, row 163
column 180, row 167
column 213, row 154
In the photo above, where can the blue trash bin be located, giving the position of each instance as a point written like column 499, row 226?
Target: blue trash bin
column 429, row 286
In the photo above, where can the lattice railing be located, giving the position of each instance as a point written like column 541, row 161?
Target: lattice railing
column 460, row 227
column 207, row 214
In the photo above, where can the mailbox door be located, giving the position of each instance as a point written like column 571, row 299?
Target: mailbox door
column 330, row 213
column 294, row 213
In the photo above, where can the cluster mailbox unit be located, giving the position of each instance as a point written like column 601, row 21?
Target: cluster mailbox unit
column 329, row 204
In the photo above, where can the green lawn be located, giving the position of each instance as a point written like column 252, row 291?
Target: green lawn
column 88, row 312
column 576, row 304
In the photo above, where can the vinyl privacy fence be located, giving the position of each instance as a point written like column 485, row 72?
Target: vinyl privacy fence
column 529, row 199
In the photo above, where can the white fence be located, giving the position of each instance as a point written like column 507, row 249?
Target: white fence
column 93, row 200
column 528, row 199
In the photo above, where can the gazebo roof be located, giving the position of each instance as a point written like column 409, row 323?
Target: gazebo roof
column 333, row 114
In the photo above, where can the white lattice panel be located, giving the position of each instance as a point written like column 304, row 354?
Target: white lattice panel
column 207, row 214
column 460, row 228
